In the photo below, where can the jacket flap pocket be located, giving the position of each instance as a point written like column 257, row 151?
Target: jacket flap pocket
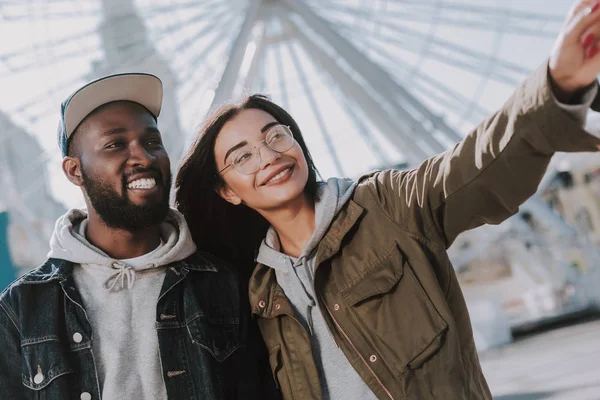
column 43, row 360
column 378, row 279
column 219, row 336
column 430, row 350
column 397, row 313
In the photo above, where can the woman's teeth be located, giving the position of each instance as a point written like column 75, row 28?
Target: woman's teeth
column 279, row 175
column 142, row 184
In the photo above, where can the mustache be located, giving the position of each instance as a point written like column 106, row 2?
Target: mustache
column 153, row 171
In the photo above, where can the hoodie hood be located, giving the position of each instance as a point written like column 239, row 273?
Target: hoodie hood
column 330, row 198
column 69, row 243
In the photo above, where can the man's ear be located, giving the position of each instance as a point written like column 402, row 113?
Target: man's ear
column 72, row 168
column 228, row 195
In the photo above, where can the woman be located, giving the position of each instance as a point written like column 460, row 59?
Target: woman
column 353, row 291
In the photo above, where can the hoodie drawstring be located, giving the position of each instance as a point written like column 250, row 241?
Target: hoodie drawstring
column 125, row 272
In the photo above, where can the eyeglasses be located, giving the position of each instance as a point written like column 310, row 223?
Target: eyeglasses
column 246, row 160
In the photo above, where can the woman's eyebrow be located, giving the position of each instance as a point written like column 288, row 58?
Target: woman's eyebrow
column 267, row 126
column 234, row 148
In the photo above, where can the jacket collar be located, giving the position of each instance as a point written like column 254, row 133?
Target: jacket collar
column 341, row 225
column 263, row 285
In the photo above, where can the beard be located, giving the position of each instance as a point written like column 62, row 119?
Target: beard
column 117, row 211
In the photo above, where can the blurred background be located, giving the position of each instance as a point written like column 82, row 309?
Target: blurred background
column 373, row 84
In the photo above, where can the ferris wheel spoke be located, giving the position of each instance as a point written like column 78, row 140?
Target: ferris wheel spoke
column 175, row 7
column 85, row 51
column 280, row 74
column 190, row 21
column 56, row 88
column 199, row 78
column 451, row 47
column 312, row 101
column 470, row 8
column 451, row 54
column 65, row 41
column 14, row 12
column 217, row 41
column 491, row 19
column 197, row 36
column 363, row 130
column 422, row 85
column 199, row 75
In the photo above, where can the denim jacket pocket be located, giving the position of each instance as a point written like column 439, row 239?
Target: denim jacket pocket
column 43, row 360
column 219, row 336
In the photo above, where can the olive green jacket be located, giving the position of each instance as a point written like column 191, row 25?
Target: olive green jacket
column 383, row 279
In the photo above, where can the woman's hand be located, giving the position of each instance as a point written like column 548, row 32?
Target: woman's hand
column 575, row 59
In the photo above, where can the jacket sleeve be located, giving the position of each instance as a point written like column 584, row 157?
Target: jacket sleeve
column 255, row 380
column 486, row 177
column 250, row 362
column 11, row 386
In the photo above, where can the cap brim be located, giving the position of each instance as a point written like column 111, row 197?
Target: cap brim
column 144, row 89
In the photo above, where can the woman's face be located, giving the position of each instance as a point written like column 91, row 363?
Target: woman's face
column 280, row 178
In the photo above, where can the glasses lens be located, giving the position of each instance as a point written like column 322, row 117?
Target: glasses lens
column 280, row 138
column 246, row 161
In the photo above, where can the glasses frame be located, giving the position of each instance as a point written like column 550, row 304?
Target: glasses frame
column 259, row 144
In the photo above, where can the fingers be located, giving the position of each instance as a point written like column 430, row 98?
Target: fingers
column 579, row 7
column 589, row 40
column 586, row 15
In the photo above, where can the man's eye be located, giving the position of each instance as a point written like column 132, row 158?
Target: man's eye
column 114, row 145
column 155, row 142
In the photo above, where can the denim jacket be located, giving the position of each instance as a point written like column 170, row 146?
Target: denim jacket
column 209, row 347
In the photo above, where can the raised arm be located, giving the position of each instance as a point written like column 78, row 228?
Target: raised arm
column 487, row 176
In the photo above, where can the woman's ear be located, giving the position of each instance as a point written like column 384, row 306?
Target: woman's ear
column 228, row 195
column 72, row 168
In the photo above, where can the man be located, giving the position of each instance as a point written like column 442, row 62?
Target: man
column 124, row 307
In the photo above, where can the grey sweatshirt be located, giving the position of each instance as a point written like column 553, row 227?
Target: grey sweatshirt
column 120, row 298
column 338, row 378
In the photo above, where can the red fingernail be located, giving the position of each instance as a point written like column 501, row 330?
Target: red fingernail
column 588, row 40
column 595, row 7
column 592, row 51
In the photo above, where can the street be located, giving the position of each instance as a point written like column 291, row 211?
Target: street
column 559, row 364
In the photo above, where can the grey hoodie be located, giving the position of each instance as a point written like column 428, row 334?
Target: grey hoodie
column 339, row 380
column 120, row 298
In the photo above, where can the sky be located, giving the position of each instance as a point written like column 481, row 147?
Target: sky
column 50, row 48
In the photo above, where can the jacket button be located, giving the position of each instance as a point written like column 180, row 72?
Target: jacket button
column 373, row 358
column 277, row 306
column 77, row 338
column 336, row 307
column 85, row 396
column 38, row 378
column 262, row 304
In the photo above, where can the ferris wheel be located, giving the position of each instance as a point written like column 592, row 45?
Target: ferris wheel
column 372, row 83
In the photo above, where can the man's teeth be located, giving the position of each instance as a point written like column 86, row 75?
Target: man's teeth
column 279, row 175
column 142, row 184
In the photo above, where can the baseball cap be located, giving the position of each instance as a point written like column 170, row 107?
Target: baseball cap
column 144, row 89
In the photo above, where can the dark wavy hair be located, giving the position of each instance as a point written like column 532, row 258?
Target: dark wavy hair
column 230, row 232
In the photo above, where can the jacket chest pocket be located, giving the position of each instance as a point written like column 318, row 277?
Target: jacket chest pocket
column 396, row 312
column 45, row 368
column 219, row 336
